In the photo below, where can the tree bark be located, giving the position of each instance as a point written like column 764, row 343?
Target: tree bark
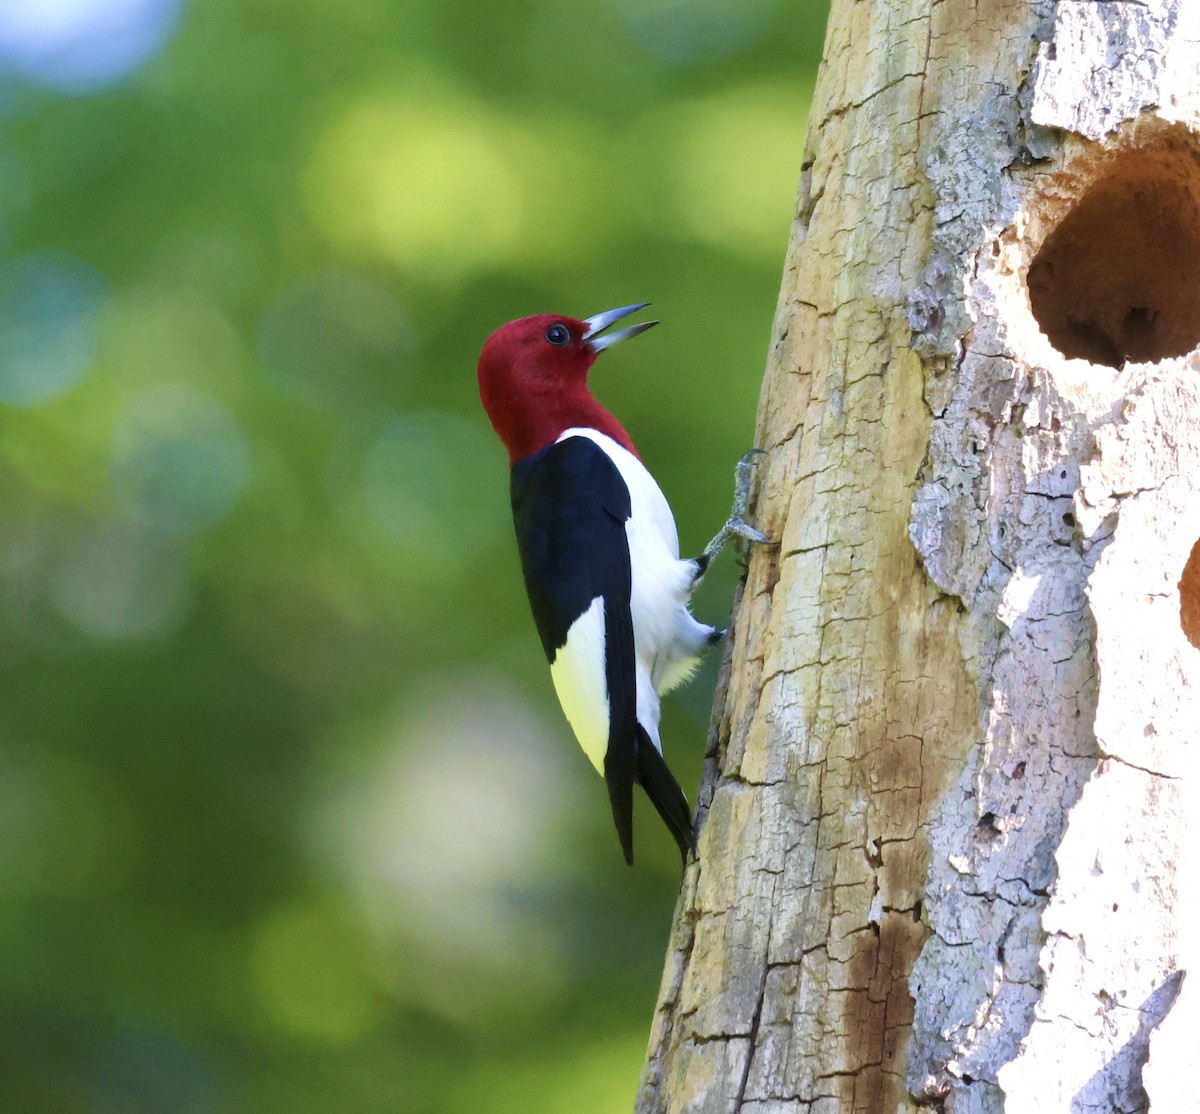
column 952, row 755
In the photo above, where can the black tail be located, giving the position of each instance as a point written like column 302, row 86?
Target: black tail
column 664, row 793
column 619, row 773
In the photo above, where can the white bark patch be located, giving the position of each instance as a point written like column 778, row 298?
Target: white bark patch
column 1122, row 922
column 1106, row 63
column 1052, row 884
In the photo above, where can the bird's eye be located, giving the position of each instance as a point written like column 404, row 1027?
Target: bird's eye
column 558, row 334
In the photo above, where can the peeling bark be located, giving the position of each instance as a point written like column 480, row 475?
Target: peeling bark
column 950, row 776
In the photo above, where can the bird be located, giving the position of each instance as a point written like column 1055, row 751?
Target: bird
column 599, row 554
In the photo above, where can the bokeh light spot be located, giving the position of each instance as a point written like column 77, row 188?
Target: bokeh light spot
column 446, row 187
column 179, row 459
column 48, row 308
column 145, row 1069
column 338, row 337
column 428, row 185
column 430, row 482
column 150, row 329
column 689, row 31
column 452, row 839
column 309, row 965
column 117, row 582
column 83, row 44
column 733, row 168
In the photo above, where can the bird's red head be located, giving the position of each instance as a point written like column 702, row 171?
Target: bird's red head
column 533, row 378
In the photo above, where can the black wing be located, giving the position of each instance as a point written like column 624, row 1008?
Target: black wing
column 570, row 506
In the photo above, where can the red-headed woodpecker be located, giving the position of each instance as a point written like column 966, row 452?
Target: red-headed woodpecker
column 600, row 554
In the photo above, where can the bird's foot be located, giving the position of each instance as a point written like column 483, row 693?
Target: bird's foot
column 736, row 525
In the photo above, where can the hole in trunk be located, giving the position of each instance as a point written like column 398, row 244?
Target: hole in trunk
column 1119, row 278
column 1189, row 597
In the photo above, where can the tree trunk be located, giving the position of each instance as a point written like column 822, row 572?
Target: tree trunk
column 940, row 864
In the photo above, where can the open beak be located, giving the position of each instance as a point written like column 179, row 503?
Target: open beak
column 596, row 325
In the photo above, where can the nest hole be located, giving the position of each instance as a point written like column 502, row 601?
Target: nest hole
column 1118, row 279
column 1189, row 597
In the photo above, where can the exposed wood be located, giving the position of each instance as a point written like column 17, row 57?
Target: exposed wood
column 941, row 859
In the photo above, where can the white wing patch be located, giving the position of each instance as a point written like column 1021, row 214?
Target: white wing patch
column 579, row 679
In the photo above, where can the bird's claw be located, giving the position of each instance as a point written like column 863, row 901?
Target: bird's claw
column 736, row 525
column 743, row 478
column 739, row 527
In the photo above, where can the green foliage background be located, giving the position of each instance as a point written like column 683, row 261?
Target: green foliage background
column 289, row 820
